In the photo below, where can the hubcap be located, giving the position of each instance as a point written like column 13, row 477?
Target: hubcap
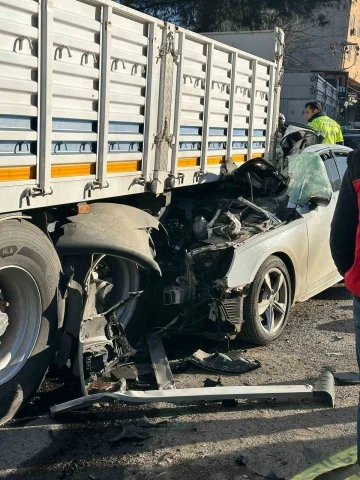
column 273, row 301
column 20, row 319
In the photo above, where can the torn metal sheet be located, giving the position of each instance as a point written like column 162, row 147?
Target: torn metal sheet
column 322, row 391
column 162, row 370
column 219, row 362
column 342, row 459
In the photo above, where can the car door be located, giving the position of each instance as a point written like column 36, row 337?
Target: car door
column 340, row 157
column 321, row 268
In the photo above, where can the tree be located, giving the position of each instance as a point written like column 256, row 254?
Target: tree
column 225, row 15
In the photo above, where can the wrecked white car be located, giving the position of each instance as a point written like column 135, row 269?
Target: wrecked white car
column 256, row 245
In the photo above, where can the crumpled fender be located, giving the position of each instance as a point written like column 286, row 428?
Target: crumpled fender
column 110, row 229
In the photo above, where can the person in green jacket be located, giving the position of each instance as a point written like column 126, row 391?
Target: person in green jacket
column 330, row 130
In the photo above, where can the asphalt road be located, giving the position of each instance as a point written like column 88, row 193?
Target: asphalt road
column 203, row 441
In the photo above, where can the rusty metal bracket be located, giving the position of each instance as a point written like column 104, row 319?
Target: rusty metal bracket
column 164, row 136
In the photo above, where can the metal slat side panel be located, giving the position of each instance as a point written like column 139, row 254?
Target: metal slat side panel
column 270, row 112
column 76, row 102
column 243, row 93
column 18, row 84
column 133, row 72
column 252, row 108
column 232, row 107
column 178, row 98
column 103, row 130
column 151, row 107
column 191, row 98
column 45, row 100
column 208, row 91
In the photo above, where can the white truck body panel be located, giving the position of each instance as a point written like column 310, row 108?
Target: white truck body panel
column 99, row 101
column 300, row 88
column 268, row 44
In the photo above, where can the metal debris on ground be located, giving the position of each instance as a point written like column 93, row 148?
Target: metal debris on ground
column 135, row 430
column 311, row 456
column 161, row 366
column 208, row 383
column 347, row 378
column 167, row 457
column 179, row 366
column 324, row 390
column 130, row 432
column 256, row 467
column 128, row 372
column 242, row 461
column 224, row 363
column 144, row 422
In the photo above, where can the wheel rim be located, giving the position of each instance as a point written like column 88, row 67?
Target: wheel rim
column 273, row 301
column 20, row 301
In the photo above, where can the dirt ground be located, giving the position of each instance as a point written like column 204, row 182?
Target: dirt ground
column 204, row 441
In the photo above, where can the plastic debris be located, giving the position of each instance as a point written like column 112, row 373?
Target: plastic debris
column 219, row 362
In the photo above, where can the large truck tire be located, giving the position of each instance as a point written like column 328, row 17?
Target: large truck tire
column 31, row 312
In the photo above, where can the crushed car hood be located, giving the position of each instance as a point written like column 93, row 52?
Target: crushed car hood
column 259, row 178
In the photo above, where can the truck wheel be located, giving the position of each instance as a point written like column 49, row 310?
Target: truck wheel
column 126, row 277
column 31, row 312
column 267, row 306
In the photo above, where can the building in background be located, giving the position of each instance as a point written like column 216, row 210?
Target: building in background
column 328, row 43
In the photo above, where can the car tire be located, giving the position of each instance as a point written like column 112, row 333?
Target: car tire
column 30, row 274
column 267, row 306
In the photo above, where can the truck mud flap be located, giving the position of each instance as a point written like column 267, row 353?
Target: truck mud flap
column 110, row 229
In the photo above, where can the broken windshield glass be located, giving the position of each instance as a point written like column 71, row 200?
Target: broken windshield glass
column 308, row 177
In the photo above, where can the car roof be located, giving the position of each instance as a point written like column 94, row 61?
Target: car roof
column 323, row 146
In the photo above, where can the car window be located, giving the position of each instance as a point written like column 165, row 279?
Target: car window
column 332, row 171
column 340, row 160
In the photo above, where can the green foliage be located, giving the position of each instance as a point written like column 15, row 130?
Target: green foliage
column 227, row 15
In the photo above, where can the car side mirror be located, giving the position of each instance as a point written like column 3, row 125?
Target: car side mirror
column 320, row 200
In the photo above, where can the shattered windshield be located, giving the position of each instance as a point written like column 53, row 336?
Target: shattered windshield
column 308, row 177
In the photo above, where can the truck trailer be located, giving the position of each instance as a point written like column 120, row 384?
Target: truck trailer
column 118, row 135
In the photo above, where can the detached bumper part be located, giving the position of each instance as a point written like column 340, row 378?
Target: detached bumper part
column 198, row 394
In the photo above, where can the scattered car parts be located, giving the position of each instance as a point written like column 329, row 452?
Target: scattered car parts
column 324, row 389
column 223, row 363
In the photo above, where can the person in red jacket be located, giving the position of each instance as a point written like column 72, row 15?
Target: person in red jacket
column 345, row 243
